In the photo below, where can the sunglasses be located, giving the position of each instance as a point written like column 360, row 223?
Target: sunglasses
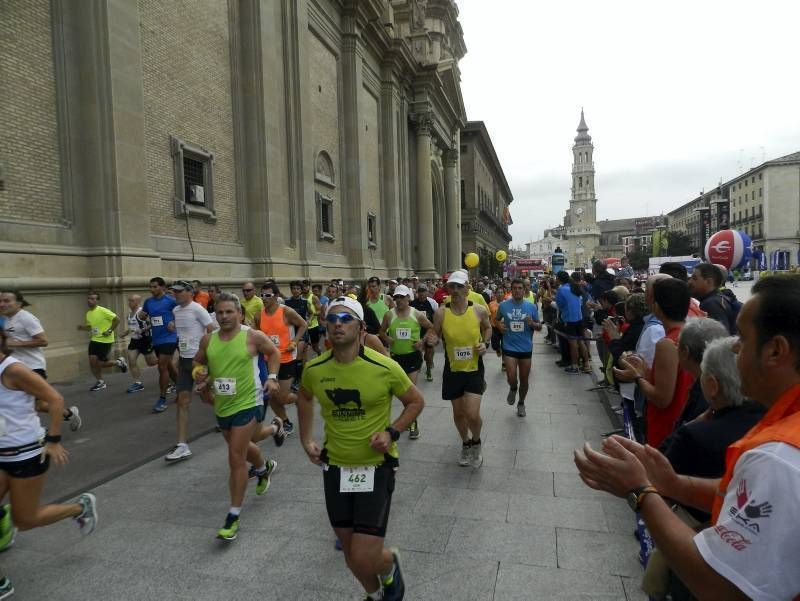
column 267, row 295
column 345, row 318
column 454, row 285
column 248, row 289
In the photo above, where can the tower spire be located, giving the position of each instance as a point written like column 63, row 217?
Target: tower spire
column 583, row 129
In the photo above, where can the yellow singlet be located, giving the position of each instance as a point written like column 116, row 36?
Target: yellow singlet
column 461, row 334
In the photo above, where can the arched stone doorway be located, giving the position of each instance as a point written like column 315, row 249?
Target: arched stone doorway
column 439, row 220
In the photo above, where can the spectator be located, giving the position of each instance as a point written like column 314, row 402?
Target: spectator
column 696, row 334
column 752, row 548
column 623, row 337
column 625, row 270
column 704, row 285
column 568, row 300
column 666, row 385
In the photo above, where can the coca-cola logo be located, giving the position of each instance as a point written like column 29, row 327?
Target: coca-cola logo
column 731, row 537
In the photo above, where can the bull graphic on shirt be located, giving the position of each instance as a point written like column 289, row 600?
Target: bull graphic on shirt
column 342, row 396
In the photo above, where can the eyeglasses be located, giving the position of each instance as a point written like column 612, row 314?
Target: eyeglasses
column 267, row 295
column 344, row 318
column 248, row 289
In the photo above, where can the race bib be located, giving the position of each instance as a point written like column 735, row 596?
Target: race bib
column 463, row 353
column 357, row 479
column 183, row 345
column 517, row 326
column 157, row 320
column 95, row 331
column 402, row 333
column 276, row 340
column 225, row 386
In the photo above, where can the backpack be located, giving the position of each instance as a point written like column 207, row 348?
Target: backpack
column 734, row 305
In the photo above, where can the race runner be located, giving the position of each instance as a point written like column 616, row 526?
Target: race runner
column 141, row 343
column 158, row 309
column 101, row 323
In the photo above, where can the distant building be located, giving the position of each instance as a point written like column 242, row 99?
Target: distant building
column 621, row 237
column 543, row 248
column 485, row 196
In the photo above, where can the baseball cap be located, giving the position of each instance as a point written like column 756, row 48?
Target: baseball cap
column 181, row 285
column 393, row 281
column 348, row 303
column 457, row 277
column 401, row 291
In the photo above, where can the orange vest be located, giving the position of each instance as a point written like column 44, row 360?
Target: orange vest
column 274, row 326
column 780, row 424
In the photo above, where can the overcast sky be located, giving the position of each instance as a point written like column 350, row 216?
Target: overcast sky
column 677, row 95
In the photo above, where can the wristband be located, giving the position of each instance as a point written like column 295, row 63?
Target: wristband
column 272, row 377
column 52, row 438
column 393, row 434
column 196, row 370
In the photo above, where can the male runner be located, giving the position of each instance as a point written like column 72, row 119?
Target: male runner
column 425, row 303
column 401, row 330
column 141, row 343
column 285, row 329
column 158, row 309
column 226, row 369
column 529, row 295
column 354, row 386
column 300, row 305
column 518, row 318
column 314, row 311
column 377, row 301
column 466, row 332
column 251, row 303
column 191, row 322
column 101, row 322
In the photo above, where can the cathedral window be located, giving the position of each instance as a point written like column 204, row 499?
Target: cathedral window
column 580, row 181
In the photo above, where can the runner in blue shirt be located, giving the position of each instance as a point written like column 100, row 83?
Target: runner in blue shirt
column 568, row 299
column 158, row 310
column 518, row 319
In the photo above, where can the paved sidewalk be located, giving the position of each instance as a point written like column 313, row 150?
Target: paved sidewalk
column 522, row 527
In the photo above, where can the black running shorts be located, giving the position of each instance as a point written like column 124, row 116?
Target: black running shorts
column 364, row 512
column 287, row 370
column 410, row 362
column 100, row 349
column 456, row 384
column 517, row 355
column 142, row 345
column 26, row 468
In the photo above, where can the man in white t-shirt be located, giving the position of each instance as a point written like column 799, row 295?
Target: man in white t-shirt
column 27, row 338
column 750, row 551
column 192, row 322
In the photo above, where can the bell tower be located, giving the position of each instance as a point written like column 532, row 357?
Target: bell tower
column 582, row 231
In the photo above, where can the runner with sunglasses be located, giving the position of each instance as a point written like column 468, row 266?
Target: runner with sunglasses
column 465, row 329
column 251, row 304
column 285, row 329
column 355, row 386
column 402, row 331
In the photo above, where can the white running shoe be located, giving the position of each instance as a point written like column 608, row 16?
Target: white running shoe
column 180, row 452
column 75, row 421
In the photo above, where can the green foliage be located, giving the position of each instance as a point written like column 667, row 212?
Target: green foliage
column 639, row 259
column 679, row 243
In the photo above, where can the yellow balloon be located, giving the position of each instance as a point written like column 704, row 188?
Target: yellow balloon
column 500, row 255
column 471, row 260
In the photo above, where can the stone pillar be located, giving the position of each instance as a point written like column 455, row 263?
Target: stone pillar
column 452, row 221
column 425, row 262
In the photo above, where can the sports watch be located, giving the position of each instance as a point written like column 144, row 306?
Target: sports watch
column 393, row 434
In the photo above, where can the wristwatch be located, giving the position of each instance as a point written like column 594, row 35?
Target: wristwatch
column 393, row 434
column 637, row 495
column 272, row 377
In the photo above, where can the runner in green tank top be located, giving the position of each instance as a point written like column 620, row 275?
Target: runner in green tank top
column 354, row 386
column 227, row 373
column 377, row 301
column 314, row 311
column 401, row 329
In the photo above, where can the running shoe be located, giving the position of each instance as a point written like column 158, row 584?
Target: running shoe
column 511, row 398
column 466, row 454
column 413, row 430
column 264, row 479
column 99, row 385
column 161, row 405
column 230, row 530
column 572, row 370
column 179, row 453
column 6, row 588
column 171, row 389
column 135, row 387
column 394, row 587
column 477, row 457
column 280, row 434
column 251, row 473
column 8, row 532
column 87, row 519
column 122, row 364
column 288, row 427
column 75, row 421
column 521, row 410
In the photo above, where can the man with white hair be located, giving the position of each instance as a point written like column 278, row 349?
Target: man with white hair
column 355, row 386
